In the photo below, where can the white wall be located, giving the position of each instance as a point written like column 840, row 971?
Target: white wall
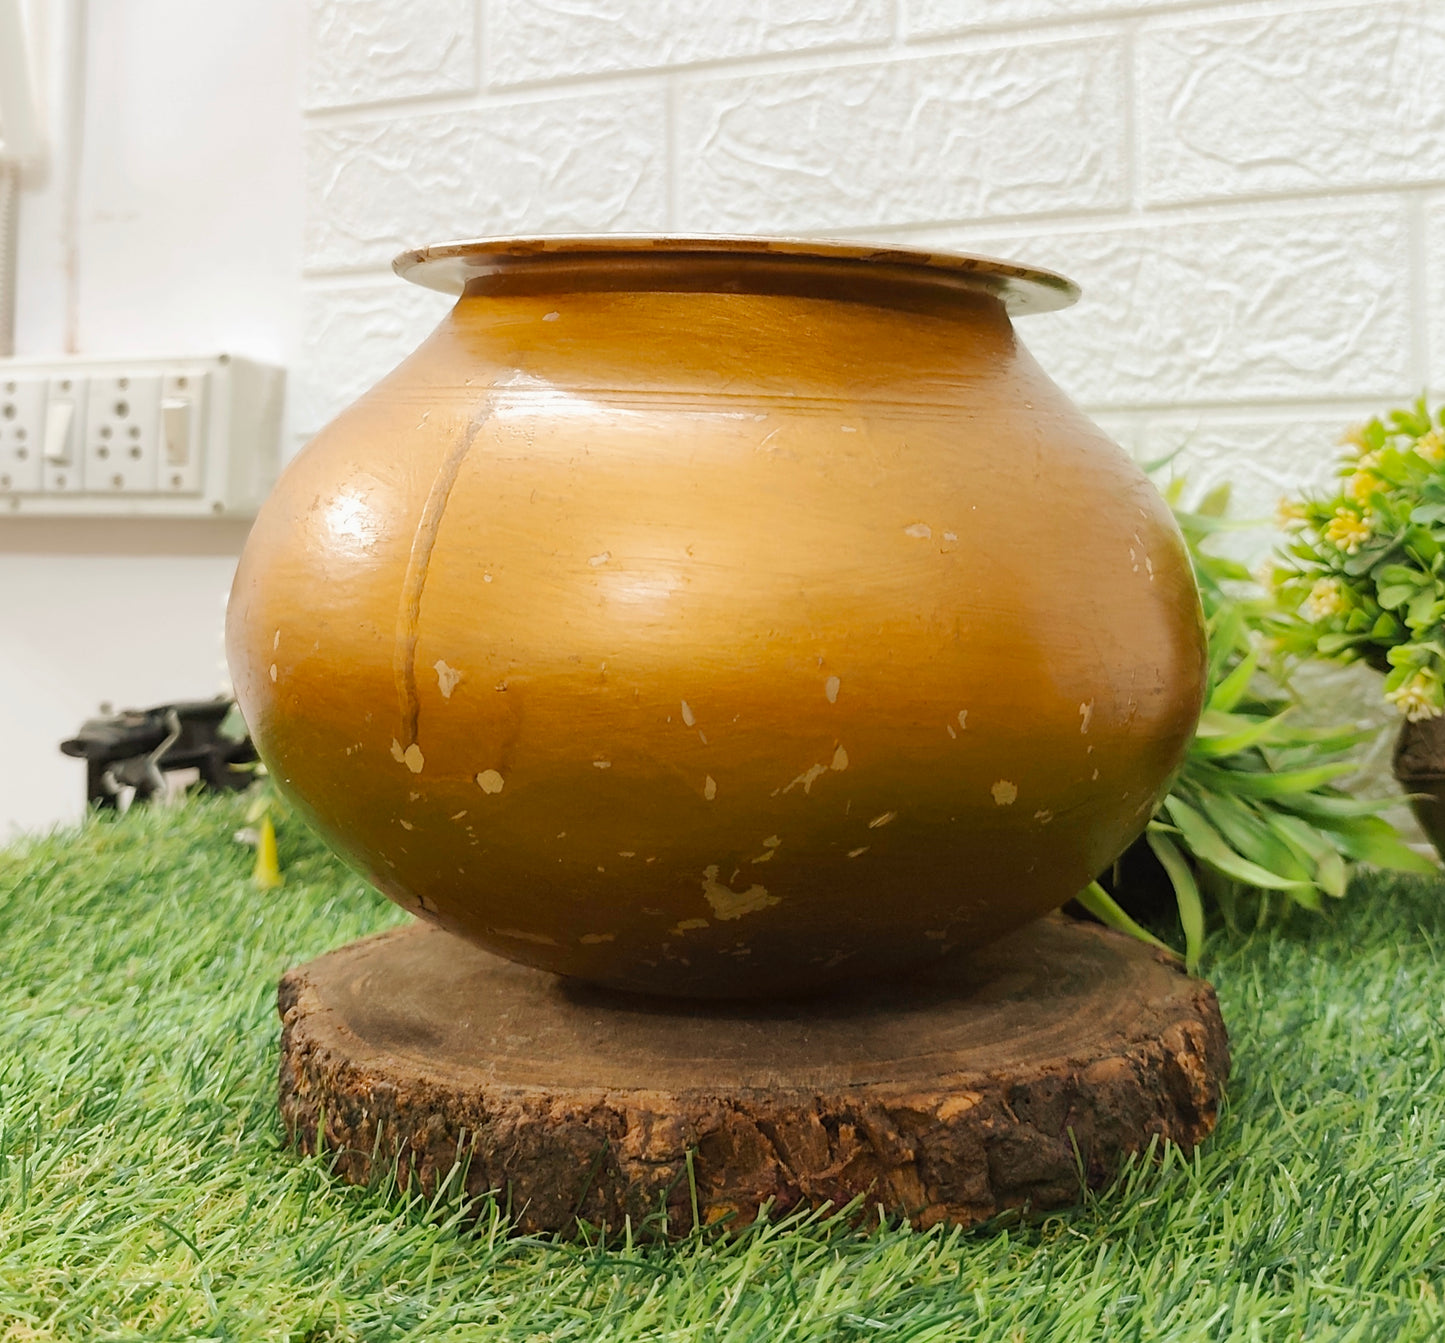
column 1252, row 194
column 188, row 236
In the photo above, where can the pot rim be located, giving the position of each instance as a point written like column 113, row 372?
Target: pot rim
column 1023, row 290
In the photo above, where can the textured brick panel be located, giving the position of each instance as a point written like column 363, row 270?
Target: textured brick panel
column 1306, row 101
column 1262, row 457
column 569, row 165
column 1277, row 304
column 354, row 336
column 937, row 18
column 552, row 39
column 1434, row 293
column 983, row 133
column 367, row 51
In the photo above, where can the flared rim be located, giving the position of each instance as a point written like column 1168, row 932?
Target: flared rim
column 1023, row 290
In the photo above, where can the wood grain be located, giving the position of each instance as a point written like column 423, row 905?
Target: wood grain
column 951, row 1094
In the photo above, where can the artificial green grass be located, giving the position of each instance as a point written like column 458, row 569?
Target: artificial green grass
column 146, row 1192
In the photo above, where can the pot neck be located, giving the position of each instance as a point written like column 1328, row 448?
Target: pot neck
column 878, row 284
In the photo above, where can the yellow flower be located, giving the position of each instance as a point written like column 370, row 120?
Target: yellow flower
column 1431, row 446
column 1289, row 513
column 1326, row 598
column 1347, row 530
column 1362, row 485
column 1354, row 437
column 1368, row 461
column 1415, row 698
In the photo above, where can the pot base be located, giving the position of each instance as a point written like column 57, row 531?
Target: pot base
column 950, row 1096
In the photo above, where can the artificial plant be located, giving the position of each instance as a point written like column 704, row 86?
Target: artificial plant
column 1362, row 577
column 1255, row 804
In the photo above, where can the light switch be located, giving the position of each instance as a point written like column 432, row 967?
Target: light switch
column 59, row 438
column 176, row 430
column 182, row 449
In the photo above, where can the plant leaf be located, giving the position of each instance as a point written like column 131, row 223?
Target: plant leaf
column 1210, row 848
column 1265, row 783
column 1219, row 743
column 1229, row 691
column 1224, row 639
column 1331, row 808
column 1395, row 595
column 1331, row 875
column 1251, row 837
column 1186, row 895
column 1103, row 907
column 1372, row 839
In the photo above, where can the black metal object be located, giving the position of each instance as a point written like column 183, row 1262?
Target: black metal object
column 137, row 748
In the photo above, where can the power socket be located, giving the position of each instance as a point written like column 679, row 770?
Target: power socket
column 22, row 433
column 122, row 434
column 183, row 437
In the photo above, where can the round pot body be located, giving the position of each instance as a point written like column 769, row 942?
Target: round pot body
column 717, row 618
column 1419, row 768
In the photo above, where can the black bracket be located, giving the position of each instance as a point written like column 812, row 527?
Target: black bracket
column 137, row 748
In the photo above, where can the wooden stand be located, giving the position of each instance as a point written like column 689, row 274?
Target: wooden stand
column 988, row 1082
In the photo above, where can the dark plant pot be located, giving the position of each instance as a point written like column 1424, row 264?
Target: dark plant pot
column 1137, row 880
column 1419, row 766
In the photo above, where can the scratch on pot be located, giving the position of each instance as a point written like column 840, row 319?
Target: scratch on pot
column 522, row 935
column 408, row 614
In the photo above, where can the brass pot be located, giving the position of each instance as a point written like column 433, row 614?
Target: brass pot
column 720, row 617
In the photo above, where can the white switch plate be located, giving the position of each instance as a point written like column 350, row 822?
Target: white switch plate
column 187, row 437
column 61, row 430
column 22, row 439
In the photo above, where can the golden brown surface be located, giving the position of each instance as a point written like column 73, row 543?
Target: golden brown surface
column 719, row 642
column 450, row 266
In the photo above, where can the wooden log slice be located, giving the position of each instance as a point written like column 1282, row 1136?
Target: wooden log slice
column 990, row 1081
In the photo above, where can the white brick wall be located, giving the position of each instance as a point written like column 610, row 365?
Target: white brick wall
column 1015, row 129
column 591, row 161
column 1252, row 194
column 534, row 41
column 1313, row 101
column 372, row 51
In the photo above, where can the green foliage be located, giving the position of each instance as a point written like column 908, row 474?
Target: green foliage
column 146, row 1190
column 1363, row 574
column 1254, row 806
